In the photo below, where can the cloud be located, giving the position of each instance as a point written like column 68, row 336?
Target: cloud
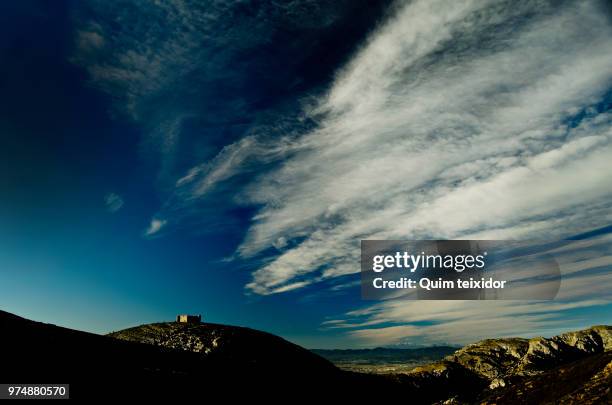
column 154, row 227
column 585, row 285
column 237, row 158
column 460, row 322
column 465, row 322
column 89, row 40
column 152, row 48
column 113, row 202
column 454, row 119
column 177, row 65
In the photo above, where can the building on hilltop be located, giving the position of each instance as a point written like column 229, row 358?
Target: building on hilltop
column 184, row 318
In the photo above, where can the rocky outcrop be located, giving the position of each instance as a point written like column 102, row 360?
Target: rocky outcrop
column 496, row 359
column 585, row 381
column 595, row 339
column 595, row 390
column 492, row 358
column 516, row 366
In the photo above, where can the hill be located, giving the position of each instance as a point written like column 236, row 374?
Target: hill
column 172, row 360
column 106, row 366
column 233, row 345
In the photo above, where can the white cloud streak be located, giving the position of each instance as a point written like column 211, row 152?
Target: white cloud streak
column 584, row 285
column 451, row 121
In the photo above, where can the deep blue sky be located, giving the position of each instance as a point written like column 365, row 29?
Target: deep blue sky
column 65, row 258
column 252, row 104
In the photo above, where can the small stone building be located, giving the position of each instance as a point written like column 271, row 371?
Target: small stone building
column 184, row 318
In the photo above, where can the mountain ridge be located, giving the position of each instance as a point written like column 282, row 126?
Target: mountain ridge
column 487, row 368
column 170, row 359
column 499, row 365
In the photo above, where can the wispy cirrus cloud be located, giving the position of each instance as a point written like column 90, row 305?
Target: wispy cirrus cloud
column 167, row 65
column 113, row 202
column 454, row 119
column 463, row 322
column 585, row 285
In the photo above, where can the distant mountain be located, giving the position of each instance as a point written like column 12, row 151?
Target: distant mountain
column 174, row 360
column 410, row 346
column 384, row 360
column 385, row 354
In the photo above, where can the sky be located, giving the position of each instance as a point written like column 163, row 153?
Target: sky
column 227, row 157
